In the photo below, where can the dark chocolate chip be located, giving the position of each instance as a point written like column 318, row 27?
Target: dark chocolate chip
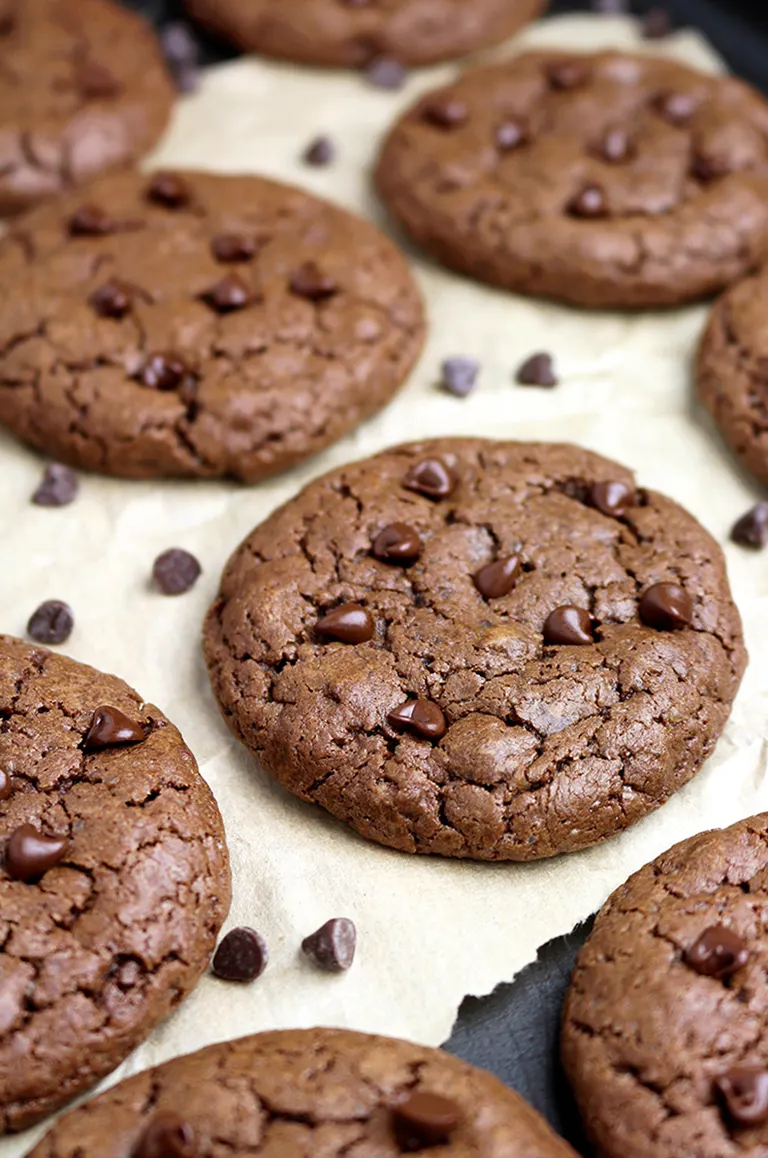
column 96, row 82
column 588, row 202
column 751, row 530
column 656, row 24
column 568, row 626
column 744, row 1092
column 176, row 571
column 229, row 294
column 709, row 168
column 612, row 498
column 398, row 543
column 510, row 135
column 563, row 75
column 421, row 717
column 90, row 221
column 386, row 73
column 666, row 607
column 719, row 952
column 538, row 370
column 348, row 623
column 424, row 1119
column 163, row 372
column 169, row 190
column 319, row 152
column 58, row 486
column 241, row 956
column 459, row 375
column 166, row 1136
column 615, row 146
column 228, row 247
column 309, row 281
column 498, row 578
column 108, row 727
column 332, row 947
column 432, row 477
column 112, row 300
column 29, row 853
column 6, row 788
column 675, row 107
column 51, row 623
column 445, row 113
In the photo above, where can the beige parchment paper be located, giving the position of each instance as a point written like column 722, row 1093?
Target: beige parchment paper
column 429, row 931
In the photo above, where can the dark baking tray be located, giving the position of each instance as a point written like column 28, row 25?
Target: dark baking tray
column 514, row 1032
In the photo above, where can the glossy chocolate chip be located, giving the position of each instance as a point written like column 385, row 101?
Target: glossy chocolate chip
column 563, row 75
column 432, row 477
column 666, row 607
column 718, row 952
column 90, row 221
column 615, row 146
column 229, row 294
column 175, row 571
column 751, row 530
column 29, row 853
column 588, row 202
column 386, row 73
column 57, row 488
column 612, row 498
column 332, row 946
column 421, row 717
column 445, row 113
column 320, row 152
column 112, row 300
column 167, row 1135
column 568, row 626
column 538, row 370
column 398, row 543
column 6, row 788
column 675, row 107
column 309, row 281
column 52, row 622
column 459, row 375
column 498, row 578
column 232, row 247
column 96, row 82
column 424, row 1119
column 109, row 726
column 163, row 372
column 241, row 956
column 348, row 623
column 170, row 190
column 744, row 1093
column 510, row 135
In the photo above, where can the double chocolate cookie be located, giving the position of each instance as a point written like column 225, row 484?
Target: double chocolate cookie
column 198, row 325
column 664, row 1028
column 302, row 1092
column 114, row 876
column 601, row 180
column 83, row 88
column 353, row 32
column 480, row 649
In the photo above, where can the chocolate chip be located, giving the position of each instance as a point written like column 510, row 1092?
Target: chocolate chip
column 744, row 1091
column 112, row 300
column 588, row 202
column 241, row 956
column 229, row 294
column 332, row 947
column 6, row 788
column 319, row 152
column 90, row 221
column 719, row 952
column 386, row 73
column 432, row 477
column 348, row 623
column 708, row 169
column 675, row 107
column 228, row 247
column 29, row 853
column 446, row 113
column 615, row 146
column 309, row 281
column 538, row 370
column 751, row 530
column 166, row 1136
column 422, row 717
column 176, row 571
column 163, row 372
column 566, row 74
column 498, row 578
column 666, row 607
column 169, row 190
column 510, row 135
column 568, row 626
column 57, row 488
column 398, row 543
column 459, row 375
column 110, row 726
column 612, row 498
column 96, row 82
column 52, row 622
column 656, row 24
column 424, row 1119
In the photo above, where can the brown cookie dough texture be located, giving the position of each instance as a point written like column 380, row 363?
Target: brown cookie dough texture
column 601, row 180
column 95, row 951
column 733, row 371
column 351, row 32
column 83, row 88
column 524, row 748
column 198, row 325
column 298, row 1093
column 650, row 1030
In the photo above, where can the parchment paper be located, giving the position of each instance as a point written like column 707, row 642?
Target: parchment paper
column 430, row 931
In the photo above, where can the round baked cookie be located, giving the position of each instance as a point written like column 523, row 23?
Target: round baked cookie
column 198, row 325
column 664, row 1027
column 83, row 88
column 601, row 180
column 114, row 876
column 481, row 649
column 352, row 32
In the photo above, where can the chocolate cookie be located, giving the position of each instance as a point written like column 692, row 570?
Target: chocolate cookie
column 198, row 325
column 114, row 876
column 602, row 180
column 352, row 32
column 482, row 649
column 83, row 88
column 307, row 1091
column 664, row 1027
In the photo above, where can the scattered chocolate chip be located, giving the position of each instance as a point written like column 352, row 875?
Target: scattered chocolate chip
column 348, row 623
column 612, row 498
column 656, row 24
column 6, row 788
column 227, row 247
column 422, row 717
column 96, row 82
column 751, row 530
column 566, row 74
column 112, row 300
column 176, row 571
column 332, row 947
column 398, row 543
column 675, row 107
column 424, row 1119
column 568, row 626
column 498, row 578
column 666, row 607
column 110, row 726
column 163, row 372
column 166, row 1136
column 51, row 623
column 229, row 294
column 432, row 478
column 744, row 1091
column 615, row 146
column 386, row 73
column 719, row 952
column 588, row 202
column 29, row 853
column 319, row 152
column 510, row 135
column 459, row 376
column 169, row 190
column 309, row 281
column 241, row 956
column 446, row 113
column 538, row 370
column 57, row 488
column 90, row 221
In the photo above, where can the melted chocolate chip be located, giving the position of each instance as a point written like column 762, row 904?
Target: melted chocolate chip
column 445, row 113
column 332, row 947
column 348, row 623
column 398, row 543
column 719, row 952
column 459, row 376
column 241, row 956
column 568, row 626
column 29, row 853
column 666, row 607
column 96, row 82
column 6, row 788
column 109, row 726
column 320, row 152
column 424, row 1119
column 163, row 372
column 615, row 146
column 744, row 1092
column 51, row 623
column 751, row 530
column 421, row 717
column 176, row 571
column 90, row 221
column 112, row 300
column 612, row 498
column 588, row 202
column 57, row 488
column 510, row 135
column 386, row 73
column 432, row 477
column 498, row 578
column 309, row 281
column 675, row 107
column 169, row 190
column 538, row 370
column 563, row 75
column 229, row 294
column 166, row 1136
column 232, row 247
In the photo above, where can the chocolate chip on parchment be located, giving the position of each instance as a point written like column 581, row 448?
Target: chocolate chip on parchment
column 332, row 946
column 52, row 622
column 459, row 375
column 108, row 727
column 57, row 488
column 538, row 370
column 319, row 153
column 176, row 571
column 348, row 623
column 30, row 853
column 751, row 530
column 242, row 955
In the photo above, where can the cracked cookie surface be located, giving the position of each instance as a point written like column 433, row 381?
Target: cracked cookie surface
column 303, row 1092
column 198, row 325
column 649, row 1027
column 101, row 946
column 83, row 88
column 600, row 180
column 519, row 748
